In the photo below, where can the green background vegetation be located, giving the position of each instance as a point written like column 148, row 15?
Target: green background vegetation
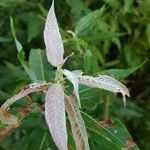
column 108, row 37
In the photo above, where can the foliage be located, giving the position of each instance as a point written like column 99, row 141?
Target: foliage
column 107, row 37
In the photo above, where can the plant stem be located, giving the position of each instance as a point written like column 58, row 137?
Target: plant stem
column 107, row 106
column 106, row 109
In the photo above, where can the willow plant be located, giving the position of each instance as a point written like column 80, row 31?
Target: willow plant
column 56, row 101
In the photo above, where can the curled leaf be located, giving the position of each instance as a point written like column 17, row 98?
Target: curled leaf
column 77, row 124
column 105, row 82
column 31, row 88
column 55, row 115
column 52, row 39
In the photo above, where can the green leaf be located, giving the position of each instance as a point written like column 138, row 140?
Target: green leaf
column 125, row 25
column 39, row 65
column 76, row 4
column 42, row 10
column 34, row 26
column 116, row 4
column 18, row 44
column 36, row 136
column 10, row 3
column 98, row 36
column 2, row 40
column 135, row 52
column 36, row 63
column 121, row 73
column 90, row 97
column 97, row 141
column 115, row 132
column 21, row 54
column 30, row 73
column 34, row 140
column 78, row 8
column 128, row 5
column 87, row 22
column 145, row 6
column 129, row 112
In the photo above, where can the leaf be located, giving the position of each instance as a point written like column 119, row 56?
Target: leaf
column 87, row 22
column 34, row 26
column 77, row 8
column 122, row 73
column 105, row 82
column 30, row 73
column 36, row 63
column 128, row 5
column 18, row 44
column 136, row 56
column 34, row 143
column 73, row 79
column 52, row 39
column 90, row 97
column 114, row 132
column 36, row 136
column 42, row 10
column 11, row 3
column 116, row 4
column 96, row 140
column 4, row 40
column 40, row 65
column 31, row 88
column 98, row 36
column 55, row 115
column 77, row 124
column 21, row 54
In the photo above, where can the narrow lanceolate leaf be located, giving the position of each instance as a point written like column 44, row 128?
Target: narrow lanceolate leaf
column 26, row 90
column 105, row 82
column 72, row 77
column 77, row 124
column 52, row 39
column 55, row 115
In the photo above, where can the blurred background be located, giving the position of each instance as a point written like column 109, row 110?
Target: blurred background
column 107, row 36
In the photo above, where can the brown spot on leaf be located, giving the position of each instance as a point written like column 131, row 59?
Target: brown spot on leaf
column 106, row 123
column 24, row 112
column 129, row 144
column 24, row 88
column 4, row 113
